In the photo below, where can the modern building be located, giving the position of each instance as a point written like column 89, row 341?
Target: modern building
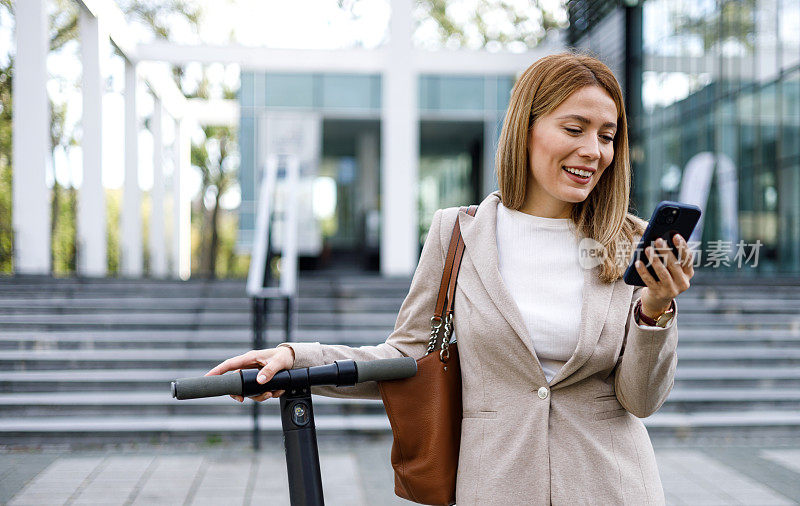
column 339, row 117
column 719, row 120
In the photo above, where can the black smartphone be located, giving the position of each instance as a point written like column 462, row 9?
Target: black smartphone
column 669, row 218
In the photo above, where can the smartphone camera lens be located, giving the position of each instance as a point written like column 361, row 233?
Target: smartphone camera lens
column 670, row 214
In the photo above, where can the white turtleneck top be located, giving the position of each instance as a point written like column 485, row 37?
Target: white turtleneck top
column 538, row 261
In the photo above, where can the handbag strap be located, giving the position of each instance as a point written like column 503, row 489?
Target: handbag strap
column 447, row 288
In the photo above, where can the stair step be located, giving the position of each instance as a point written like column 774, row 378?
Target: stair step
column 375, row 422
column 148, row 404
column 36, row 359
column 26, row 339
column 196, row 424
column 725, row 419
column 149, row 374
column 192, row 305
column 374, row 319
column 149, row 398
column 736, row 372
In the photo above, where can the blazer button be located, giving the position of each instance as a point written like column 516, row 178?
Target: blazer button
column 542, row 393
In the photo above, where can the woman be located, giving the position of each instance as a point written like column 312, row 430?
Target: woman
column 557, row 361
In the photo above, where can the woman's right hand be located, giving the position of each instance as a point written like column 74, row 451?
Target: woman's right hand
column 270, row 361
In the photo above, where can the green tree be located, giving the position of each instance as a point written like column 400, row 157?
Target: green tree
column 493, row 21
column 6, row 228
column 113, row 205
column 509, row 24
column 64, row 207
column 730, row 20
column 216, row 160
column 162, row 17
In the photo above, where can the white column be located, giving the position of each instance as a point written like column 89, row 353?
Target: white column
column 400, row 153
column 31, row 208
column 131, row 219
column 158, row 252
column 368, row 166
column 181, row 215
column 91, row 231
column 491, row 136
column 176, row 198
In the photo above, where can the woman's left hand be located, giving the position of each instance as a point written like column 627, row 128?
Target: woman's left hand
column 673, row 278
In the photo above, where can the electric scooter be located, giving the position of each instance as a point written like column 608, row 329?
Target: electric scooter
column 297, row 411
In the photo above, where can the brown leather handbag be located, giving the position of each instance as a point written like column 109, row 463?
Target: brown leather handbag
column 425, row 410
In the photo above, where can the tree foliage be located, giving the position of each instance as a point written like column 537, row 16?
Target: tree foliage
column 488, row 22
column 160, row 16
column 216, row 158
column 6, row 228
column 731, row 20
column 492, row 22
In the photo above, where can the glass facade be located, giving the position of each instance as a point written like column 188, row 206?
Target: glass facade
column 721, row 94
column 348, row 106
column 460, row 120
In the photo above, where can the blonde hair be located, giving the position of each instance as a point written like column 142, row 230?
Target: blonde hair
column 604, row 215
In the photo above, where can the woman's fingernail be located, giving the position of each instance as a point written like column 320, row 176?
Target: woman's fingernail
column 261, row 378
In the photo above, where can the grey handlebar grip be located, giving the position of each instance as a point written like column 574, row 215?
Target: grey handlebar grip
column 207, row 386
column 386, row 369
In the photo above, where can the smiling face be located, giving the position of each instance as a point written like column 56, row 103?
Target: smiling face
column 578, row 134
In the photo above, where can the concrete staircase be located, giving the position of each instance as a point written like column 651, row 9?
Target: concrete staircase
column 84, row 362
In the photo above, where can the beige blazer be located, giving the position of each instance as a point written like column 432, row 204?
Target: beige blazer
column 576, row 440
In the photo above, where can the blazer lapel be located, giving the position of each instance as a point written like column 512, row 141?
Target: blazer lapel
column 480, row 240
column 594, row 309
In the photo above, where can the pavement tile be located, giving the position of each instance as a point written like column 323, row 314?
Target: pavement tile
column 353, row 474
column 750, row 496
column 37, row 498
column 99, row 502
column 226, row 475
column 219, row 491
column 672, row 500
column 786, row 458
column 280, row 498
column 101, row 491
column 161, row 497
column 218, row 501
column 106, row 499
column 340, row 479
column 706, row 480
column 121, row 466
column 116, row 484
column 43, row 483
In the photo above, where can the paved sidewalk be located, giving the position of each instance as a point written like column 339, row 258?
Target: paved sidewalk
column 354, row 472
